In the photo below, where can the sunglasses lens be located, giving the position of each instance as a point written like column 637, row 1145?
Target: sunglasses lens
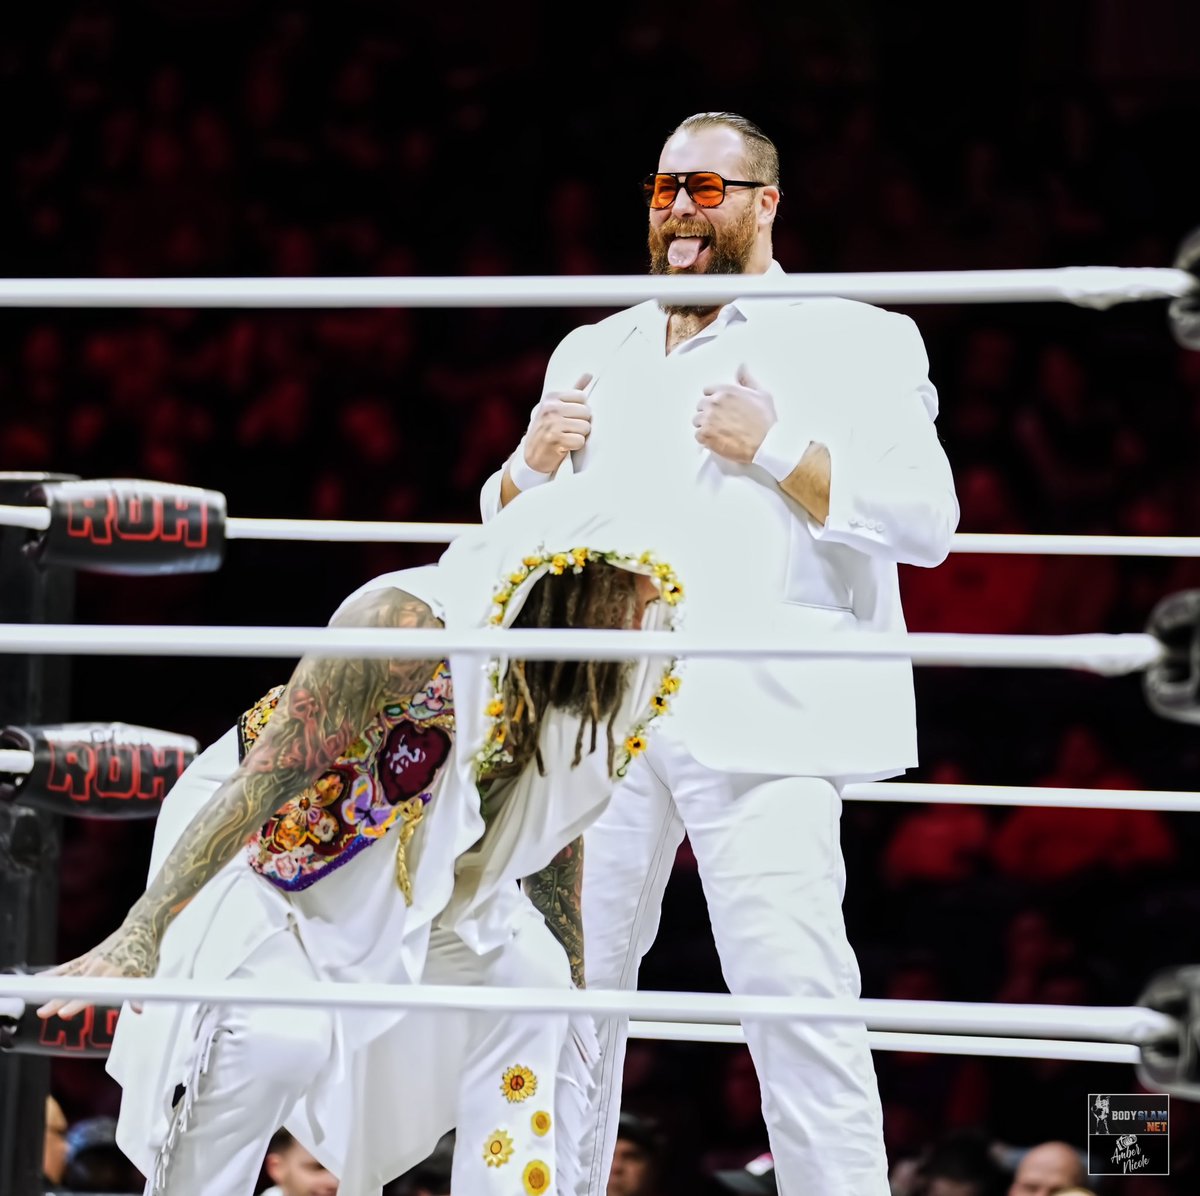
column 660, row 190
column 706, row 189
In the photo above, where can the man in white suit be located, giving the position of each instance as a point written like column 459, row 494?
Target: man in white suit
column 798, row 438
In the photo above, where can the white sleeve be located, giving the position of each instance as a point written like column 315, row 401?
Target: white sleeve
column 891, row 491
column 190, row 794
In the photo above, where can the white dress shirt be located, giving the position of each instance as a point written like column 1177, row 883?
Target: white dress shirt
column 848, row 375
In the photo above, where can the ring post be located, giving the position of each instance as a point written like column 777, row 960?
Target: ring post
column 33, row 689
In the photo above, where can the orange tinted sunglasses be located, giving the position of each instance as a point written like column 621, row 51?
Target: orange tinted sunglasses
column 706, row 187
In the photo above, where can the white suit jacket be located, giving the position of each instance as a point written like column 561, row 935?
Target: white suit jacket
column 848, row 375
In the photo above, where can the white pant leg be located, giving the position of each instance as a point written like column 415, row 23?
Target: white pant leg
column 628, row 854
column 770, row 860
column 252, row 1065
column 508, row 1107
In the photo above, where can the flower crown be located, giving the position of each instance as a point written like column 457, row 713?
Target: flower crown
column 494, row 751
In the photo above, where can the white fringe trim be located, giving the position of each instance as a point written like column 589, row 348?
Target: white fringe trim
column 577, row 1065
column 181, row 1119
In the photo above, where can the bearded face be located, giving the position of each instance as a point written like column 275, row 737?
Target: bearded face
column 723, row 248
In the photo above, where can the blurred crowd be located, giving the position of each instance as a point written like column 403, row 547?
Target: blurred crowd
column 271, row 138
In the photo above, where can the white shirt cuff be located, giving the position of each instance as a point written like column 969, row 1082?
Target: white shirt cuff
column 781, row 450
column 523, row 477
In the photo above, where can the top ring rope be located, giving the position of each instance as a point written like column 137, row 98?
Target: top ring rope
column 1096, row 287
column 366, row 531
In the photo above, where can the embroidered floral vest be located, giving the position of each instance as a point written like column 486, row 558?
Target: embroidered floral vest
column 383, row 779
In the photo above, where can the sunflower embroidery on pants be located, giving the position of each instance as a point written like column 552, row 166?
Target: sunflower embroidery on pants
column 498, row 1149
column 518, row 1084
column 536, row 1178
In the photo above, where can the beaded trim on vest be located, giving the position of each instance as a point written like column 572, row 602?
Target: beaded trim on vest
column 383, row 780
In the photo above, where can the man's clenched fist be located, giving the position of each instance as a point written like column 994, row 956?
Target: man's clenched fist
column 733, row 419
column 559, row 425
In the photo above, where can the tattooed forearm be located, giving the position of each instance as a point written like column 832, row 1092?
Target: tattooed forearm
column 557, row 894
column 325, row 706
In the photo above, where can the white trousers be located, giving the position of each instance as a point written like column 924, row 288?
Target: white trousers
column 770, row 861
column 254, row 1064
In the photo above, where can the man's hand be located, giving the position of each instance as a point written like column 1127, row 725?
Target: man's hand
column 732, row 420
column 559, row 425
column 131, row 950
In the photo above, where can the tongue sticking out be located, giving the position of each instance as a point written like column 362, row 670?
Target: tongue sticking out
column 683, row 251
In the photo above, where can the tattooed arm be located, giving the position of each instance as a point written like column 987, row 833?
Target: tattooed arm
column 557, row 894
column 325, row 706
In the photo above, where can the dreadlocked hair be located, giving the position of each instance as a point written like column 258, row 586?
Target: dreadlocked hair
column 600, row 595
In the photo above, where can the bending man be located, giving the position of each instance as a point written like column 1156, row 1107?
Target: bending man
column 368, row 822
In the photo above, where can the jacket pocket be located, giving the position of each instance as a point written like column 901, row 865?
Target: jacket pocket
column 818, row 574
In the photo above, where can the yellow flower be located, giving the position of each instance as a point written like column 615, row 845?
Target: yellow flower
column 672, row 592
column 558, row 562
column 670, row 684
column 518, row 1084
column 502, row 596
column 356, row 751
column 580, row 555
column 645, row 558
column 531, row 562
column 498, row 1149
column 519, row 576
column 658, row 704
column 537, row 1178
column 495, row 708
column 661, row 570
column 497, row 618
column 635, row 745
column 541, row 1123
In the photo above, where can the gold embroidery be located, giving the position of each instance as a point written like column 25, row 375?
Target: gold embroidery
column 411, row 811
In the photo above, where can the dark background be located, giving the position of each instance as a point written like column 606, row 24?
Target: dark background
column 381, row 138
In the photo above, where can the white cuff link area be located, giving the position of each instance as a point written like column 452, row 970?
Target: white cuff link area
column 781, row 450
column 524, row 476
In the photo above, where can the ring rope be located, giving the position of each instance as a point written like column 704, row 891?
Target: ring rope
column 16, row 762
column 1096, row 287
column 927, row 1044
column 365, row 531
column 1110, row 654
column 880, row 1040
column 1129, row 1024
column 1167, row 800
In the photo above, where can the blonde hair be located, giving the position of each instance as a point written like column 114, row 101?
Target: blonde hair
column 762, row 158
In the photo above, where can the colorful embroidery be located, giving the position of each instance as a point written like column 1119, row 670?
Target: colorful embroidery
column 518, row 1084
column 493, row 752
column 381, row 780
column 498, row 1149
column 536, row 1178
column 541, row 1123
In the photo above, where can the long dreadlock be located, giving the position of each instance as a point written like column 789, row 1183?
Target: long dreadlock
column 600, row 595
